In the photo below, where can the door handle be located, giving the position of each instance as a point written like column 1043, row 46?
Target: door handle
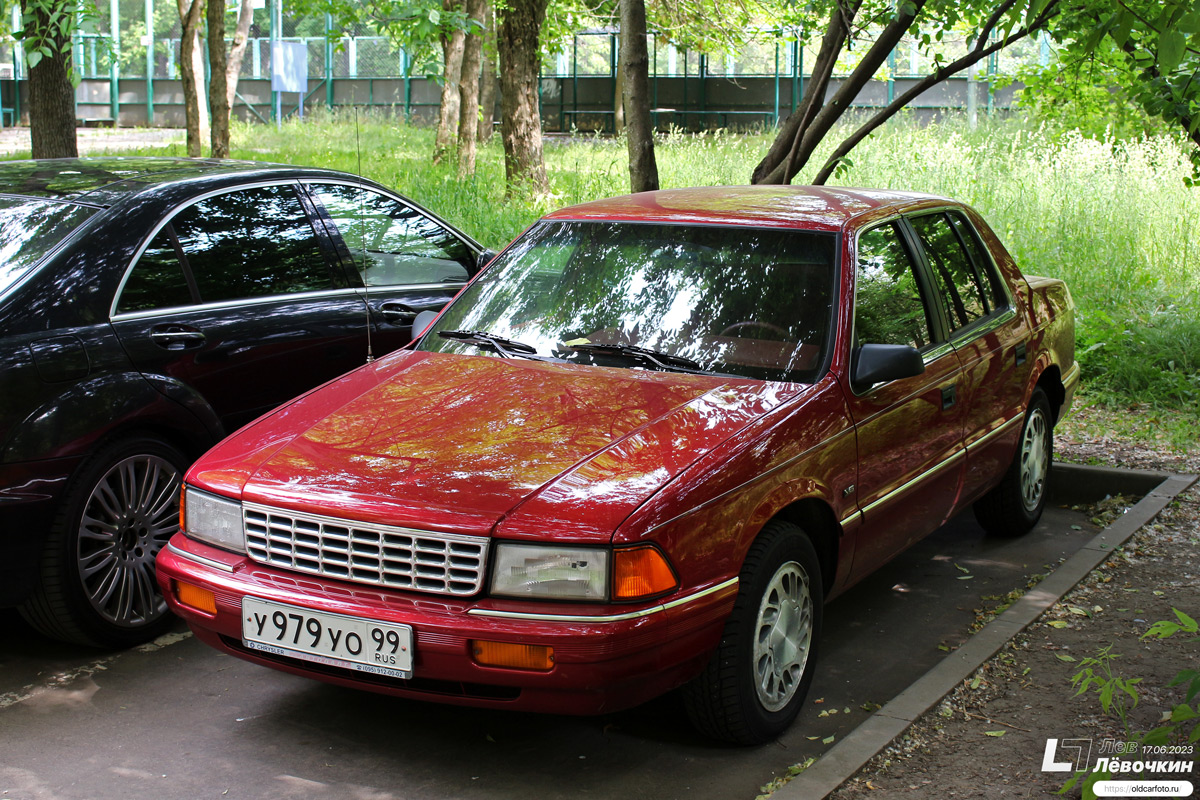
column 177, row 337
column 398, row 313
column 949, row 396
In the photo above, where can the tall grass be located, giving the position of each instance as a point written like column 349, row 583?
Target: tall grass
column 1114, row 218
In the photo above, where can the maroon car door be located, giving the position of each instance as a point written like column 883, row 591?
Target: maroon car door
column 989, row 337
column 910, row 448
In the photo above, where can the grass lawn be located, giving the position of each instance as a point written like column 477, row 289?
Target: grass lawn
column 1114, row 218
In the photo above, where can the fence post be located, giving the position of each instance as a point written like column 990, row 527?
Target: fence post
column 149, row 62
column 114, row 61
column 328, row 61
column 276, row 34
column 776, row 79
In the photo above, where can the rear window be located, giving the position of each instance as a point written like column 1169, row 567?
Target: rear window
column 29, row 229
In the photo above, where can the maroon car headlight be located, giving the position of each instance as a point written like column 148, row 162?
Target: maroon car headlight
column 550, row 572
column 213, row 520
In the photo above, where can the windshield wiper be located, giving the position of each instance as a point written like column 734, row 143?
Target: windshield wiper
column 507, row 348
column 644, row 355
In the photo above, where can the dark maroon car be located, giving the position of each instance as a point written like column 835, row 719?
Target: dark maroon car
column 150, row 306
column 641, row 450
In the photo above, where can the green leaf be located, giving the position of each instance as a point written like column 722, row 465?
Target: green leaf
column 996, row 734
column 1064, row 657
column 829, row 740
column 33, row 57
column 435, row 16
column 1171, row 45
column 1057, row 623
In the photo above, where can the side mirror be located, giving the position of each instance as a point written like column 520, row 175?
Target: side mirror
column 879, row 363
column 422, row 323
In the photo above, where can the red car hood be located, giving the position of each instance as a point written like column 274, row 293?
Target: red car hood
column 456, row 443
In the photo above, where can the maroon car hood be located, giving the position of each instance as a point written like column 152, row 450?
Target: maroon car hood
column 456, row 443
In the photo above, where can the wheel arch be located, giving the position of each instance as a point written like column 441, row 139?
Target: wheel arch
column 1050, row 381
column 816, row 518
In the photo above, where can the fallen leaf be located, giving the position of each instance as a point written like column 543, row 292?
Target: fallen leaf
column 997, row 734
column 1064, row 657
column 829, row 740
column 1057, row 623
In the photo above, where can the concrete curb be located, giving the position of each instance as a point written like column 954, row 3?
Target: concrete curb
column 1072, row 483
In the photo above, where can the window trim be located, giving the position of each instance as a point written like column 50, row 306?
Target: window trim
column 933, row 321
column 341, row 249
column 177, row 209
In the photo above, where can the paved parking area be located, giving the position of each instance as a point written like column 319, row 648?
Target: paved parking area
column 177, row 720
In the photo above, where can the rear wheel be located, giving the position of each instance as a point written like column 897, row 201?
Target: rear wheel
column 753, row 688
column 96, row 581
column 1015, row 505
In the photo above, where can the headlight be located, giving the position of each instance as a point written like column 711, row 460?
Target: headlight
column 566, row 573
column 214, row 520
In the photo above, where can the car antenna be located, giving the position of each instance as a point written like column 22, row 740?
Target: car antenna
column 362, row 233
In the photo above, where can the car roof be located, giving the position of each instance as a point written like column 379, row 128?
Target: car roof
column 810, row 207
column 104, row 181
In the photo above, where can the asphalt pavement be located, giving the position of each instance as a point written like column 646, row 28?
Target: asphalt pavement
column 175, row 719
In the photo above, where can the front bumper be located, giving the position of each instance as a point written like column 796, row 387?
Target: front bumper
column 605, row 658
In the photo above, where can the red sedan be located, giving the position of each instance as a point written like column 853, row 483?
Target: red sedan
column 641, row 450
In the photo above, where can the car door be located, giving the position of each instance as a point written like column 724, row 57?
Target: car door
column 237, row 297
column 989, row 337
column 405, row 260
column 909, row 431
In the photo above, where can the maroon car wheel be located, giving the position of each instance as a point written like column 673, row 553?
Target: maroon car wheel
column 756, row 681
column 1017, row 502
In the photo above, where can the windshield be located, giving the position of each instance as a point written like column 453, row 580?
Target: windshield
column 742, row 301
column 31, row 228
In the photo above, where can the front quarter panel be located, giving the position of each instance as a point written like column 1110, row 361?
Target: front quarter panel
column 708, row 517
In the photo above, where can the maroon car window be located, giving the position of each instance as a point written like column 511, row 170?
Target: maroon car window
column 887, row 303
column 251, row 243
column 985, row 271
column 953, row 272
column 157, row 280
column 392, row 243
column 741, row 301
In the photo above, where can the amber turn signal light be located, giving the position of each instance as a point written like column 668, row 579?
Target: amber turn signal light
column 641, row 572
column 514, row 656
column 195, row 597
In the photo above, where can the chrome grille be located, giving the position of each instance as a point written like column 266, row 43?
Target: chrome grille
column 379, row 555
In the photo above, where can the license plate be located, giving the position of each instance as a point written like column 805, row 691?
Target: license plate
column 334, row 639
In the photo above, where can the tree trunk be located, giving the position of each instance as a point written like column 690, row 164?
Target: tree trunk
column 635, row 66
column 487, row 80
column 218, row 86
column 517, row 40
column 783, row 147
column 452, row 57
column 52, row 99
column 468, row 116
column 806, row 138
column 973, row 56
column 237, row 53
column 191, row 67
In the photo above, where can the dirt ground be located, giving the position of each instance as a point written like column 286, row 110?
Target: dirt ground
column 989, row 737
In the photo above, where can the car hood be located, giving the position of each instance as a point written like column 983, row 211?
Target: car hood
column 459, row 443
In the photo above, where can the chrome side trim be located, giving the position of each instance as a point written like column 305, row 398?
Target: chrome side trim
column 923, row 476
column 492, row 613
column 208, row 562
column 1072, row 375
column 987, row 437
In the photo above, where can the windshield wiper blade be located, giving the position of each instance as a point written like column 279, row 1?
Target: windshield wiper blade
column 507, row 348
column 643, row 354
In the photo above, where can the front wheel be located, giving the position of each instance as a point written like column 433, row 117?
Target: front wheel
column 753, row 687
column 1015, row 505
column 96, row 584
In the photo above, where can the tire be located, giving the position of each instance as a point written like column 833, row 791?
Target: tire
column 1015, row 505
column 96, row 583
column 747, row 694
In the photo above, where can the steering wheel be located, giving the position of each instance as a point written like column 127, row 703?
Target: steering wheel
column 754, row 323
